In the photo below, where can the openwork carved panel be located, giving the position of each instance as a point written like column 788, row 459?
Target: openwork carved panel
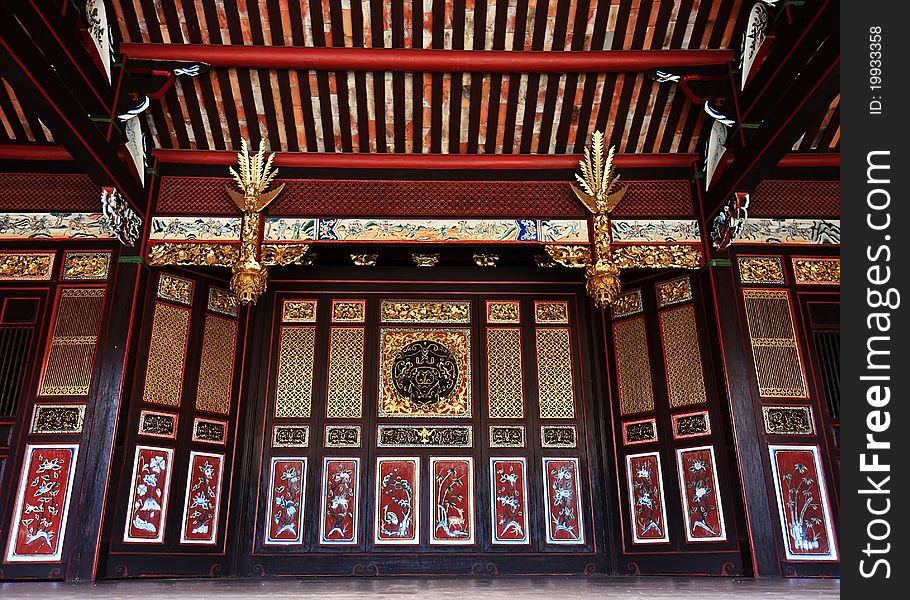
column 507, row 436
column 349, row 311
column 211, row 431
column 216, row 367
column 425, row 373
column 26, row 265
column 788, row 420
column 430, row 436
column 674, row 291
column 691, row 425
column 425, row 312
column 664, row 256
column 817, row 271
column 555, row 387
column 627, row 304
column 175, row 289
column 778, row 367
column 682, row 357
column 294, row 388
column 342, row 436
column 633, row 367
column 345, row 394
column 551, row 312
column 58, row 418
column 86, row 265
column 639, row 432
column 158, row 424
column 223, row 301
column 505, row 391
column 558, row 436
column 70, row 360
column 503, row 312
column 166, row 355
column 298, row 311
column 290, row 436
column 761, row 269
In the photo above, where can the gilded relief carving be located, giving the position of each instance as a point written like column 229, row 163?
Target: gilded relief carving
column 425, row 312
column 58, row 418
column 674, row 291
column 26, row 265
column 669, row 256
column 342, row 436
column 299, row 311
column 175, row 289
column 573, row 257
column 551, row 312
column 198, row 254
column 788, row 420
column 558, row 436
column 691, row 425
column 640, row 432
column 627, row 304
column 761, row 269
column 157, row 424
column 430, row 436
column 817, row 271
column 223, row 301
column 503, row 312
column 349, row 311
column 86, row 265
column 290, row 436
column 205, row 430
column 507, row 436
column 279, row 255
column 555, row 386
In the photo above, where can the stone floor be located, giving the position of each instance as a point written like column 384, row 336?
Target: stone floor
column 551, row 588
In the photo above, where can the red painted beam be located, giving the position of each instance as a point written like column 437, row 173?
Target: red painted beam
column 339, row 160
column 426, row 61
column 810, row 159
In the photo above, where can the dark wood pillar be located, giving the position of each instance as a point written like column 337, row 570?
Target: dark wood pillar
column 103, row 415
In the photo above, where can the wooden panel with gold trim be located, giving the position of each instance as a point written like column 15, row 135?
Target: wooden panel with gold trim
column 558, row 436
column 290, row 436
column 788, row 420
column 298, row 311
column 424, row 436
column 210, row 431
column 775, row 351
column 674, row 291
column 503, row 311
column 507, row 436
column 555, row 380
column 166, row 355
column 342, row 436
column 223, row 301
column 86, row 265
column 682, row 356
column 349, row 311
column 633, row 366
column 158, row 424
column 437, row 311
column 25, row 266
column 627, row 304
column 58, row 418
column 546, row 312
column 216, row 366
column 816, row 270
column 175, row 289
column 693, row 424
column 639, row 432
column 69, row 363
column 761, row 269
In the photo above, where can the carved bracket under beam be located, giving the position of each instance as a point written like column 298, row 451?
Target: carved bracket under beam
column 225, row 255
column 633, row 256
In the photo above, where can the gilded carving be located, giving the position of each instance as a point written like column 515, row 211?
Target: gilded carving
column 86, row 265
column 503, row 312
column 632, row 366
column 682, row 357
column 290, row 436
column 545, row 261
column 345, row 386
column 555, row 385
column 280, row 255
column 299, row 311
column 216, row 365
column 364, row 260
column 817, row 271
column 640, row 432
column 205, row 430
column 507, row 436
column 175, row 289
column 166, row 355
column 26, row 265
column 558, row 436
column 349, row 311
column 505, row 390
column 157, row 424
column 788, row 420
column 425, row 312
column 670, row 256
column 58, row 418
column 342, row 436
column 674, row 291
column 430, row 436
column 627, row 304
column 573, row 257
column 223, row 301
column 197, row 254
column 691, row 425
column 551, row 312
column 68, row 368
column 425, row 260
column 486, row 260
column 294, row 386
column 761, row 269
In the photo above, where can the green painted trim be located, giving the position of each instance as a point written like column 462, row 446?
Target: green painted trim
column 131, row 260
column 720, row 262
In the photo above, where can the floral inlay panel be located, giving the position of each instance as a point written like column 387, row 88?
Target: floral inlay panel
column 203, row 499
column 646, row 499
column 452, row 500
column 702, row 507
column 562, row 500
column 284, row 523
column 340, row 488
column 151, row 485
column 396, row 519
column 509, row 500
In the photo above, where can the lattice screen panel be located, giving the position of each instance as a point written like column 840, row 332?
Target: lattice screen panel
column 216, row 368
column 682, row 357
column 68, row 368
column 633, row 366
column 555, row 390
column 778, row 368
column 167, row 355
column 345, row 393
column 504, row 380
column 294, row 389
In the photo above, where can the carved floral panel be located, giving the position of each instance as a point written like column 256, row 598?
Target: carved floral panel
column 509, row 500
column 149, row 490
column 397, row 516
column 451, row 500
column 284, row 523
column 203, row 499
column 646, row 499
column 702, row 508
column 562, row 500
column 340, row 492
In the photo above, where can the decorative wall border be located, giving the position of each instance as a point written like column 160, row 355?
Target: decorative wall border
column 55, row 226
column 424, row 436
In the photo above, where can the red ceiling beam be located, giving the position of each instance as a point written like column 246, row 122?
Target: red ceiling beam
column 426, row 61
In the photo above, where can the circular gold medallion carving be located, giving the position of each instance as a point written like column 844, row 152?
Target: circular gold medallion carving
column 425, row 372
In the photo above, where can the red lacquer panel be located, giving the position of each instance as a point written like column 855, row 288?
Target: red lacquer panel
column 704, row 514
column 509, row 497
column 562, row 492
column 42, row 503
column 646, row 499
column 397, row 515
column 802, row 501
column 285, row 510
column 340, row 487
column 150, row 486
column 452, row 500
column 203, row 499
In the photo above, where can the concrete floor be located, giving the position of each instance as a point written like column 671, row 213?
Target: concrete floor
column 550, row 588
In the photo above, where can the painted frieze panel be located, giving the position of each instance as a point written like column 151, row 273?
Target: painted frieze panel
column 701, row 503
column 646, row 499
column 38, row 527
column 425, row 373
column 802, row 502
column 633, row 373
column 345, row 381
column 690, row 425
column 70, row 359
column 197, row 229
column 452, row 500
column 286, row 500
column 203, row 499
column 503, row 311
column 58, row 418
column 509, row 500
column 678, row 231
column 507, row 436
column 166, row 355
column 340, row 490
column 294, row 388
column 437, row 312
column 505, row 390
column 86, row 265
column 555, row 384
column 790, row 231
column 54, row 226
column 289, row 229
column 149, row 492
column 397, row 515
column 562, row 500
column 342, row 436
